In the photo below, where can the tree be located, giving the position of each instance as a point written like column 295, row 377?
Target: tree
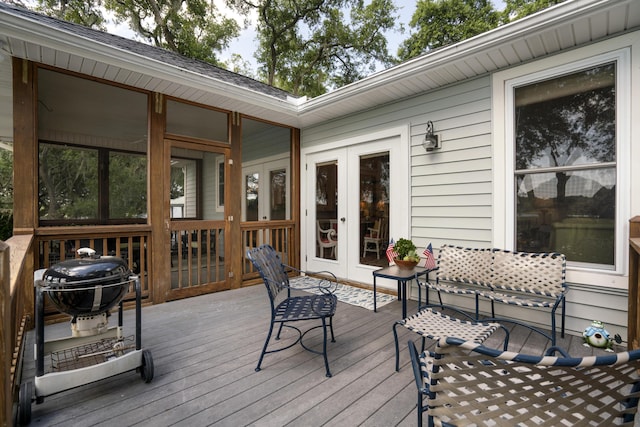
column 189, row 27
column 193, row 28
column 517, row 9
column 566, row 131
column 443, row 22
column 81, row 12
column 238, row 65
column 307, row 47
column 6, row 177
column 439, row 23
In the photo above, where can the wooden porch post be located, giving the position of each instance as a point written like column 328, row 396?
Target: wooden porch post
column 25, row 148
column 633, row 320
column 25, row 158
column 233, row 206
column 6, row 338
column 295, row 195
column 158, row 203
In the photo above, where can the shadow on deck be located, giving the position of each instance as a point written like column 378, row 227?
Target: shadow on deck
column 205, row 350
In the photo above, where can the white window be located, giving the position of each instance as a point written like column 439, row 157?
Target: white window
column 563, row 128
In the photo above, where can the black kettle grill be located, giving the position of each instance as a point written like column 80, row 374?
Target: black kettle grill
column 87, row 286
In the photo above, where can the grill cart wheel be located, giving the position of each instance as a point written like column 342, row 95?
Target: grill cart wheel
column 24, row 403
column 146, row 369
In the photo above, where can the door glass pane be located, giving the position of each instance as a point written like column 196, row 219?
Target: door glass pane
column 278, row 208
column 251, row 186
column 327, row 210
column 374, row 208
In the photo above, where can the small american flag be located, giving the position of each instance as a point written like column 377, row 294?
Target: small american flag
column 429, row 260
column 391, row 254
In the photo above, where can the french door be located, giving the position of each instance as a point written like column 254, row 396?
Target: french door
column 350, row 208
column 266, row 191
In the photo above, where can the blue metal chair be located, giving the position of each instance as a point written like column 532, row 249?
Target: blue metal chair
column 464, row 383
column 286, row 309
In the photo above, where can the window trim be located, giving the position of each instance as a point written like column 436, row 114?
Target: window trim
column 504, row 153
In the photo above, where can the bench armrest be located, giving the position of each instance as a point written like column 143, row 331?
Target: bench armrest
column 328, row 281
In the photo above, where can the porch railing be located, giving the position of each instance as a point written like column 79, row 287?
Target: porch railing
column 16, row 306
column 131, row 243
column 197, row 254
column 279, row 234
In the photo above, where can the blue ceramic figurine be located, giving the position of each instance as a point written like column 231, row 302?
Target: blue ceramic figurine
column 597, row 336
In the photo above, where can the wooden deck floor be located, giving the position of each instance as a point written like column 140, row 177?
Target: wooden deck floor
column 205, row 350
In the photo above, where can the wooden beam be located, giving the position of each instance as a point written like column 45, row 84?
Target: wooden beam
column 158, row 203
column 25, row 146
column 6, row 339
column 633, row 320
column 233, row 206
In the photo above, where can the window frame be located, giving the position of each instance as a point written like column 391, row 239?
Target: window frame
column 504, row 84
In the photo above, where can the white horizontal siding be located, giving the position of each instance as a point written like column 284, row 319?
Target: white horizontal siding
column 452, row 189
column 455, row 182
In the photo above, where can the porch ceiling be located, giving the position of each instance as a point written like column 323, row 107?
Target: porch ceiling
column 563, row 27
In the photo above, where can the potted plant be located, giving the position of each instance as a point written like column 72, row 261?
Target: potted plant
column 407, row 256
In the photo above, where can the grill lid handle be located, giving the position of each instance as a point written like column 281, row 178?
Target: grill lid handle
column 86, row 252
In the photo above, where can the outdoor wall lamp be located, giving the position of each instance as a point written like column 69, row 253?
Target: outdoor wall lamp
column 431, row 141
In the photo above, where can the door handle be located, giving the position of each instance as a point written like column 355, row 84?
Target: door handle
column 343, row 219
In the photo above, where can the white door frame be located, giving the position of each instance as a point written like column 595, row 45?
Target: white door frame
column 397, row 141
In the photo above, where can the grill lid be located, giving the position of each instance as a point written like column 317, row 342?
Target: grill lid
column 87, row 286
column 87, row 270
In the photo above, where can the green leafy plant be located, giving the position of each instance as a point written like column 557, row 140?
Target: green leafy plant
column 406, row 250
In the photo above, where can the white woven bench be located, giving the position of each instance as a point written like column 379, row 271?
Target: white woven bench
column 462, row 383
column 534, row 280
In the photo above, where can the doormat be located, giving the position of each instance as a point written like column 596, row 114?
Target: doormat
column 345, row 293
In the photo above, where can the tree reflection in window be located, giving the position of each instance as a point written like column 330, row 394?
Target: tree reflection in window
column 566, row 165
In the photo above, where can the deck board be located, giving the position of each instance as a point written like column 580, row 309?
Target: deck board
column 205, row 350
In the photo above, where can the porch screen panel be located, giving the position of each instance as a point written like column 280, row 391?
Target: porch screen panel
column 68, row 183
column 565, row 175
column 195, row 121
column 127, row 185
column 92, row 151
